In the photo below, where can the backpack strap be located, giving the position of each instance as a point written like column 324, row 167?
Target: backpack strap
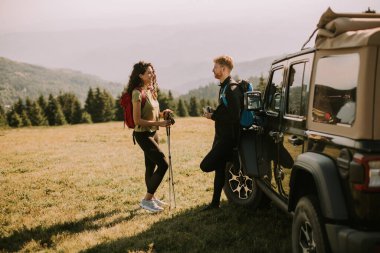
column 143, row 96
column 223, row 93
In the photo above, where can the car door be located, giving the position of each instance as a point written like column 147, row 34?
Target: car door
column 273, row 104
column 293, row 123
column 286, row 107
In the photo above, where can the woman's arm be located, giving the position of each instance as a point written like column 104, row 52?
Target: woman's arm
column 144, row 123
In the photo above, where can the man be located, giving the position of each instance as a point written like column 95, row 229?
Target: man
column 227, row 127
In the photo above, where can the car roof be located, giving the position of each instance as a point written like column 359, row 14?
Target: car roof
column 347, row 30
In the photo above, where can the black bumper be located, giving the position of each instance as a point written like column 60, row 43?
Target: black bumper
column 346, row 239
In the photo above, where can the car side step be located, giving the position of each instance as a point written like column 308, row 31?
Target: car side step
column 273, row 196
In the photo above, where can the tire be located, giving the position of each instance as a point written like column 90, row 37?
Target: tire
column 308, row 233
column 241, row 189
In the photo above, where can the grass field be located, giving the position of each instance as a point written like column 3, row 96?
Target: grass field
column 77, row 189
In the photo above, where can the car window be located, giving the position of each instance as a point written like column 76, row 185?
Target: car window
column 274, row 91
column 298, row 89
column 335, row 89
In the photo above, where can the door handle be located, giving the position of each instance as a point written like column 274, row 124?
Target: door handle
column 293, row 139
column 277, row 136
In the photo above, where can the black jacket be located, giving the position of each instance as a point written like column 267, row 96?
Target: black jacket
column 227, row 125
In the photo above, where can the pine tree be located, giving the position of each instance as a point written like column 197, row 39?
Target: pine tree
column 96, row 110
column 77, row 113
column 67, row 102
column 261, row 85
column 59, row 117
column 202, row 104
column 25, row 119
column 100, row 106
column 171, row 103
column 187, row 105
column 3, row 118
column 14, row 119
column 119, row 111
column 18, row 107
column 86, row 118
column 109, row 105
column 90, row 102
column 181, row 109
column 163, row 100
column 194, row 107
column 36, row 115
column 42, row 102
column 54, row 112
column 28, row 105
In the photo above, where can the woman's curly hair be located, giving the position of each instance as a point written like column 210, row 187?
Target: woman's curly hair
column 135, row 81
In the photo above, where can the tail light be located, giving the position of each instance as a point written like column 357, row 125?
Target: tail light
column 365, row 172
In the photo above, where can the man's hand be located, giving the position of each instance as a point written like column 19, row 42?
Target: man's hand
column 207, row 115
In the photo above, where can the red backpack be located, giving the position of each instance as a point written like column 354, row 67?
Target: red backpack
column 126, row 104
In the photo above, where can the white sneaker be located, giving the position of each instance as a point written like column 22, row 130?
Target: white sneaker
column 150, row 205
column 160, row 203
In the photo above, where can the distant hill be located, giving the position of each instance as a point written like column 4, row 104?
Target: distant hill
column 181, row 54
column 200, row 75
column 210, row 91
column 22, row 80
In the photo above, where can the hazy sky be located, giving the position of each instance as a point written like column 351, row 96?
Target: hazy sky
column 181, row 37
column 56, row 15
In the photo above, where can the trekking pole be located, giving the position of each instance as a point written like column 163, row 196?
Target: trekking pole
column 171, row 177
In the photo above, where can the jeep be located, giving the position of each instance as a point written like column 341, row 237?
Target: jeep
column 317, row 156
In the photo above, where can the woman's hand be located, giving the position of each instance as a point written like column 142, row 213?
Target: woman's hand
column 164, row 123
column 165, row 113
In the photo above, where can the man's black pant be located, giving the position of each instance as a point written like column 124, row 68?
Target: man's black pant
column 148, row 141
column 217, row 159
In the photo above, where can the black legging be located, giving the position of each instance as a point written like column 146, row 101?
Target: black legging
column 217, row 159
column 148, row 141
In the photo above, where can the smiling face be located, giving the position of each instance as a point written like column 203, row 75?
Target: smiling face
column 148, row 76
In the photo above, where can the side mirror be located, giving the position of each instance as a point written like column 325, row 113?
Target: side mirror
column 253, row 101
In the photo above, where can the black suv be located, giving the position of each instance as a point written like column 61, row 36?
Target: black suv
column 318, row 154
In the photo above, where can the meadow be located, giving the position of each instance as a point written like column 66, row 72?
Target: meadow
column 77, row 188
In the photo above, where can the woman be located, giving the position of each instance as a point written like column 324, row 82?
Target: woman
column 142, row 82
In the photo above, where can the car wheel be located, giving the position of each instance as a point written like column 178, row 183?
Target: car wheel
column 307, row 229
column 241, row 189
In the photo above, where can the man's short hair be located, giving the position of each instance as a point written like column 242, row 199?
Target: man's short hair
column 225, row 60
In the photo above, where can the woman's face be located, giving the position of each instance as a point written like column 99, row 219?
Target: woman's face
column 147, row 77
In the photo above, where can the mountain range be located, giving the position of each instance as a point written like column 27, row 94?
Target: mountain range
column 21, row 80
column 182, row 55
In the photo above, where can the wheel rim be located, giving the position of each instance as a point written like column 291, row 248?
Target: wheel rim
column 306, row 239
column 241, row 185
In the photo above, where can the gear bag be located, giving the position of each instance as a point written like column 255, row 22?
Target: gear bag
column 126, row 104
column 247, row 118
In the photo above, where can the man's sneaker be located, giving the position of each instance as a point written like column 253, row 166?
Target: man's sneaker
column 160, row 203
column 150, row 205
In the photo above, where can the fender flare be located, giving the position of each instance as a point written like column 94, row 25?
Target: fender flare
column 325, row 175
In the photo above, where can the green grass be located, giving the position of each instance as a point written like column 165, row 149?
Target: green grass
column 77, row 189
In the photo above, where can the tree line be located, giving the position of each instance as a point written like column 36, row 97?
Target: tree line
column 99, row 106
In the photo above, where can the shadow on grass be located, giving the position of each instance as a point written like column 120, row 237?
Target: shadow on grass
column 230, row 229
column 44, row 235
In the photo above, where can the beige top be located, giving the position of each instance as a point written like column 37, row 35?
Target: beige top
column 150, row 111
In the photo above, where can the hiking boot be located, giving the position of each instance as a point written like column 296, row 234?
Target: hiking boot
column 150, row 205
column 160, row 203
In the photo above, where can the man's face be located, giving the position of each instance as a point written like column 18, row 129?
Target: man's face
column 218, row 70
